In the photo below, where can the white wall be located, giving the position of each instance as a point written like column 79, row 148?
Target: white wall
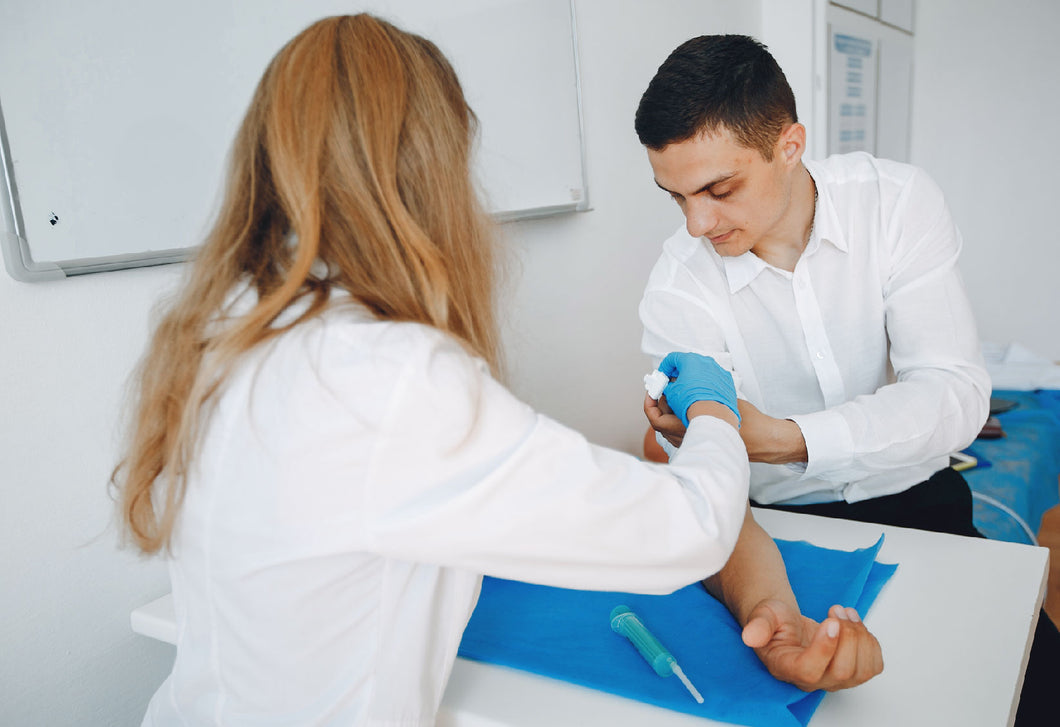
column 985, row 106
column 795, row 33
column 574, row 334
column 68, row 656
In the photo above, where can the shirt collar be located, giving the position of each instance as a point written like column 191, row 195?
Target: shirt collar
column 740, row 271
column 826, row 226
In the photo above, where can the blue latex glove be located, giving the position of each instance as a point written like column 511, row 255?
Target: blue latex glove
column 696, row 378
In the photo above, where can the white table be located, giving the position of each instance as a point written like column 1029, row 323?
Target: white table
column 955, row 623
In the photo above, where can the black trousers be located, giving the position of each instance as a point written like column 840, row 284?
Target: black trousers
column 943, row 504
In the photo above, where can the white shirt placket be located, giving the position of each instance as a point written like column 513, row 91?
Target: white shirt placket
column 817, row 343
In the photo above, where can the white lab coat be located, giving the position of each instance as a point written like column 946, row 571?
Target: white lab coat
column 355, row 481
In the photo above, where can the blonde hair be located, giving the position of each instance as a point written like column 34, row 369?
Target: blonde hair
column 354, row 151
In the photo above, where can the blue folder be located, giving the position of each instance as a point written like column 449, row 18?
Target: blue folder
column 566, row 634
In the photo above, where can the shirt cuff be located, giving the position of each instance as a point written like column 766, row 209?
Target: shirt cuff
column 829, row 445
column 665, row 444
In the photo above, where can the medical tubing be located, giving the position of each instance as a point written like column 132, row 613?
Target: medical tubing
column 1008, row 511
column 625, row 622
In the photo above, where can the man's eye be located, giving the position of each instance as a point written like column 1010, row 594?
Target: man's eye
column 721, row 195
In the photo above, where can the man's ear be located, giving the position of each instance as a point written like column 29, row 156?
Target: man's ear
column 791, row 144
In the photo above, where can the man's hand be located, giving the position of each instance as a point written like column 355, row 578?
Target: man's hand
column 753, row 585
column 836, row 654
column 775, row 441
column 663, row 420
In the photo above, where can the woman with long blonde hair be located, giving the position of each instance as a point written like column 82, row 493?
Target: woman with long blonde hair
column 318, row 443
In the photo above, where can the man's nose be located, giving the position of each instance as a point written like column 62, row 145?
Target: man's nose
column 701, row 217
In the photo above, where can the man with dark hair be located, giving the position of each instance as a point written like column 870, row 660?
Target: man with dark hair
column 831, row 291
column 731, row 81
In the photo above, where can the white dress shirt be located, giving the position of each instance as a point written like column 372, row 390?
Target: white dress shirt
column 354, row 481
column 869, row 345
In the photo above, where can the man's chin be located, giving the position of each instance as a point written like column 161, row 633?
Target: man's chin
column 728, row 248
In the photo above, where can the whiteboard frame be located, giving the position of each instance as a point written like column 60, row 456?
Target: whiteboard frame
column 18, row 256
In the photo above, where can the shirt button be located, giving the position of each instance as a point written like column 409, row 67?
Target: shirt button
column 820, row 354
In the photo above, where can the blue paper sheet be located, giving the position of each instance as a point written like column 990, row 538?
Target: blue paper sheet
column 566, row 634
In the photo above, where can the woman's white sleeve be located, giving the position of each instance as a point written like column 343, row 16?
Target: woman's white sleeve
column 466, row 475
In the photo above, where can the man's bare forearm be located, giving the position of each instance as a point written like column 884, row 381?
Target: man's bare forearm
column 754, row 573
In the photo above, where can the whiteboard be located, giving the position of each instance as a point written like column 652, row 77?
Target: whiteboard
column 116, row 116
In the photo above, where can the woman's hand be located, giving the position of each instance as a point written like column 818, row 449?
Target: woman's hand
column 693, row 378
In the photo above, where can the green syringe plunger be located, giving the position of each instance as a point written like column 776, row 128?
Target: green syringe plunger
column 625, row 622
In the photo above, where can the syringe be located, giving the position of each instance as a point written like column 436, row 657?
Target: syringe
column 625, row 622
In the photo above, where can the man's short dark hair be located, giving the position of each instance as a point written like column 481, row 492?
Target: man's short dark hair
column 716, row 81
